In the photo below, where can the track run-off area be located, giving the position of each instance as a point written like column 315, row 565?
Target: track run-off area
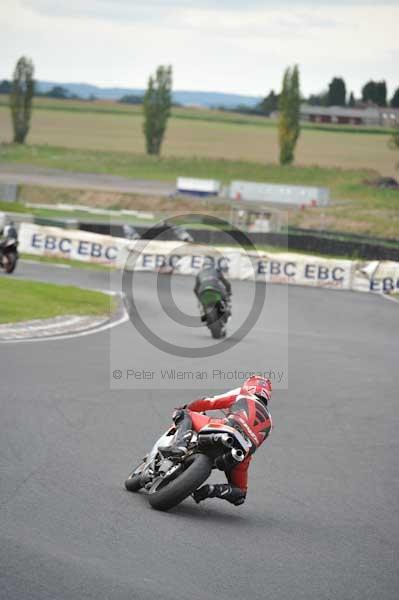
column 321, row 520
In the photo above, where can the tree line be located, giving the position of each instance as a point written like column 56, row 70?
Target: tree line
column 157, row 104
column 336, row 94
column 57, row 91
column 372, row 93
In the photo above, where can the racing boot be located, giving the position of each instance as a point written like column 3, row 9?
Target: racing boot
column 225, row 491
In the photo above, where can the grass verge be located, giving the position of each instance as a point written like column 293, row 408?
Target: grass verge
column 361, row 208
column 14, row 207
column 82, row 215
column 118, row 201
column 26, row 300
column 343, row 183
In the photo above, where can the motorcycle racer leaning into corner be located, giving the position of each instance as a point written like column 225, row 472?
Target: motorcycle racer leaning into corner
column 246, row 409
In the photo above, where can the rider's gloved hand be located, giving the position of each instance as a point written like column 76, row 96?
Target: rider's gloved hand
column 178, row 414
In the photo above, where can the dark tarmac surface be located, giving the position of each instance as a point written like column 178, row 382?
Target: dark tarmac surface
column 321, row 519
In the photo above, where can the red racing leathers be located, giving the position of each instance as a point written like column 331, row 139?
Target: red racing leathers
column 244, row 411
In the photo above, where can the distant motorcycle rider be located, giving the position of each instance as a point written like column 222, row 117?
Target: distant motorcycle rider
column 212, row 277
column 246, row 410
column 3, row 223
column 7, row 227
column 10, row 231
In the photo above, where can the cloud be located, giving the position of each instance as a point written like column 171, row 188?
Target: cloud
column 225, row 18
column 212, row 46
column 133, row 11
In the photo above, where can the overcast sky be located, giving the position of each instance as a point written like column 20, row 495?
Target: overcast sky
column 214, row 45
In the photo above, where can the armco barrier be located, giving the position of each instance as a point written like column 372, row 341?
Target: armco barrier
column 341, row 247
column 304, row 242
column 345, row 235
column 168, row 256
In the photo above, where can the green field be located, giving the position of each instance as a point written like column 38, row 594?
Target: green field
column 79, row 215
column 357, row 207
column 106, row 137
column 344, row 183
column 110, row 126
column 26, row 300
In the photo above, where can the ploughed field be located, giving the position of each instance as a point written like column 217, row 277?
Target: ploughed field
column 205, row 133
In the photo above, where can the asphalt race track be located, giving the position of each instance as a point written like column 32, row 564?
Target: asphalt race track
column 321, row 519
column 31, row 175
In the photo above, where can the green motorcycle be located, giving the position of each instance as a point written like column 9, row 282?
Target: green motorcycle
column 216, row 311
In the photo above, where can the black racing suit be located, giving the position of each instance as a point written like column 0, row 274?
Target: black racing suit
column 212, row 277
column 10, row 232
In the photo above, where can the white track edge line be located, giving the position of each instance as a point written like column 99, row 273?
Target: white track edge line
column 35, row 262
column 388, row 297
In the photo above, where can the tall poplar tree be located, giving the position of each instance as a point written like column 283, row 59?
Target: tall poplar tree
column 289, row 107
column 22, row 91
column 394, row 142
column 156, row 106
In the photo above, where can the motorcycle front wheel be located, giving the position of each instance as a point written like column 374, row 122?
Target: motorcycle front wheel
column 10, row 262
column 134, row 483
column 165, row 494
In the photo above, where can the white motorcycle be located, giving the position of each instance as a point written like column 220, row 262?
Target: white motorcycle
column 169, row 480
column 9, row 254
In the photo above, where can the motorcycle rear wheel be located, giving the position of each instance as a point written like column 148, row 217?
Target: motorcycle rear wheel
column 218, row 330
column 165, row 495
column 216, row 323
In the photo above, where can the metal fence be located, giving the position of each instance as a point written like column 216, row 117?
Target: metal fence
column 296, row 195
